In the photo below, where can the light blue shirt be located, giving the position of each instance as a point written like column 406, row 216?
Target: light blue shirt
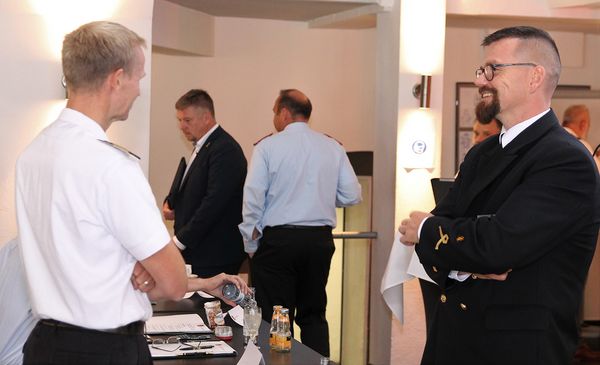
column 299, row 177
column 16, row 319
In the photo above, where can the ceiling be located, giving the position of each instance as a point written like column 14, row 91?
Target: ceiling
column 295, row 10
column 357, row 14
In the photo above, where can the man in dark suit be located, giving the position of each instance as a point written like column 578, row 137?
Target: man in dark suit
column 208, row 205
column 523, row 212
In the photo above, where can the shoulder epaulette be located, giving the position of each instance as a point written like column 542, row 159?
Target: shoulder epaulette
column 341, row 144
column 120, row 148
column 260, row 140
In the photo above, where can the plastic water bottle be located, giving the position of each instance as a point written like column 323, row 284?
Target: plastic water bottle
column 234, row 294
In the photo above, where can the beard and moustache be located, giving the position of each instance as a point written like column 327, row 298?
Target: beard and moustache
column 486, row 112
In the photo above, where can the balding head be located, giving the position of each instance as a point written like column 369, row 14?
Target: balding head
column 577, row 118
column 291, row 106
column 296, row 103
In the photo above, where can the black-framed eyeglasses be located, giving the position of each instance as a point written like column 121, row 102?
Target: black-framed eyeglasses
column 488, row 70
column 170, row 344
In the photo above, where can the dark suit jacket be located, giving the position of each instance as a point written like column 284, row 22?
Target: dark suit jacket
column 208, row 206
column 532, row 207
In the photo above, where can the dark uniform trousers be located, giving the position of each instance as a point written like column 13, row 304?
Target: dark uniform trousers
column 290, row 268
column 431, row 297
column 53, row 342
column 210, row 271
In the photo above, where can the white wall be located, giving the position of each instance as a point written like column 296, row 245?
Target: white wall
column 253, row 60
column 32, row 95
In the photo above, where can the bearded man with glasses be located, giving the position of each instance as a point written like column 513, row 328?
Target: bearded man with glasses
column 511, row 243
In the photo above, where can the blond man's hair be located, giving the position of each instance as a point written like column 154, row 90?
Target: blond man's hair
column 94, row 50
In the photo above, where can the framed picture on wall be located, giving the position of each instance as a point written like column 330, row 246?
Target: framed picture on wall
column 467, row 98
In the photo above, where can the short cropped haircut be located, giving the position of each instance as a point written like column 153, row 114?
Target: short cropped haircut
column 538, row 43
column 94, row 50
column 293, row 104
column 197, row 98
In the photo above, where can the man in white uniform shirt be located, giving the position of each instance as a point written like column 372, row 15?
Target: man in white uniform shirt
column 295, row 181
column 88, row 222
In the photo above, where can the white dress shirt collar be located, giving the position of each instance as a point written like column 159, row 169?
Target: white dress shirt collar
column 506, row 136
column 201, row 141
column 83, row 121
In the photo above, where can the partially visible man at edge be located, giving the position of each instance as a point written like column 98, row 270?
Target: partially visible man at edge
column 576, row 120
column 524, row 211
column 481, row 130
column 92, row 238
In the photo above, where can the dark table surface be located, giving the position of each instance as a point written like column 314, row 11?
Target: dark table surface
column 300, row 354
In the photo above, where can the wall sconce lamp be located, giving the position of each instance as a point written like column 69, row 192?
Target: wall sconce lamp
column 422, row 91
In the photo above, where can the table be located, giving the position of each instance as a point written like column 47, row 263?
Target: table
column 300, row 354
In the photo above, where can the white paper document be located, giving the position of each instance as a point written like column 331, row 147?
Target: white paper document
column 191, row 349
column 179, row 323
column 251, row 356
column 237, row 314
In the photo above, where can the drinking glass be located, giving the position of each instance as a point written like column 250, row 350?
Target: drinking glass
column 252, row 319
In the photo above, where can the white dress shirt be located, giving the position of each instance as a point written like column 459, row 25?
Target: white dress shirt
column 85, row 215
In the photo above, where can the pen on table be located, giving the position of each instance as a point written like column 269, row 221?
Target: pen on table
column 192, row 347
column 195, row 353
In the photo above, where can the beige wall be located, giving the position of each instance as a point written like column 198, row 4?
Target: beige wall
column 253, row 60
column 32, row 95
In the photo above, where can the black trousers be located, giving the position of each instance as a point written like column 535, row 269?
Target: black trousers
column 431, row 297
column 210, row 271
column 290, row 268
column 65, row 346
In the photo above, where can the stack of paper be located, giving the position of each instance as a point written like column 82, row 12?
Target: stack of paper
column 179, row 323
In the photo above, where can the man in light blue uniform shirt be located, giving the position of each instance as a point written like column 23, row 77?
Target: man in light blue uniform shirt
column 296, row 179
column 16, row 319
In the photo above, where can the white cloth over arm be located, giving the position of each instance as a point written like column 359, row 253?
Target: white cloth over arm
column 403, row 265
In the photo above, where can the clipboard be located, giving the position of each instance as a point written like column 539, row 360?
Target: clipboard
column 440, row 187
column 176, row 183
column 203, row 349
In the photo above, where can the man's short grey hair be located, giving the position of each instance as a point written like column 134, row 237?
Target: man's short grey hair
column 537, row 44
column 94, row 50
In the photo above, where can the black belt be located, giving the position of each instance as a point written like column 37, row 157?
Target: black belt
column 133, row 328
column 292, row 226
